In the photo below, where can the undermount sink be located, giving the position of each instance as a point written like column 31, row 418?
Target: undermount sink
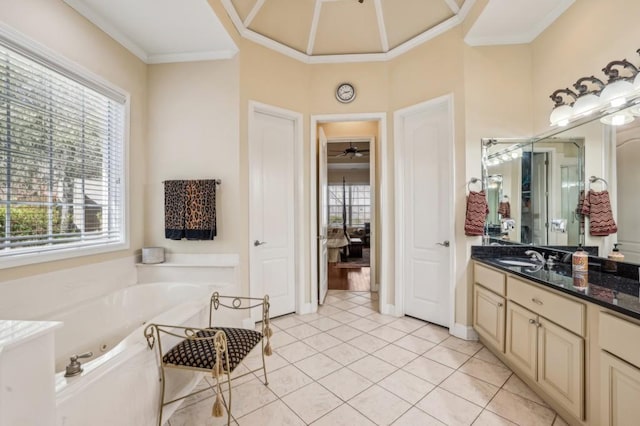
column 512, row 262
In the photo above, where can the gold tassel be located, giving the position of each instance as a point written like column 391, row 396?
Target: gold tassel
column 267, row 349
column 218, row 407
column 268, row 331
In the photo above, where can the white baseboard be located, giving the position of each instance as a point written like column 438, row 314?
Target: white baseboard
column 463, row 332
column 388, row 310
column 307, row 308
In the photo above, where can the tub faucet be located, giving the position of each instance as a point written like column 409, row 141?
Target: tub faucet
column 74, row 368
column 535, row 256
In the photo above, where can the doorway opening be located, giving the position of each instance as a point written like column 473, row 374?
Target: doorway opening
column 350, row 210
column 347, row 164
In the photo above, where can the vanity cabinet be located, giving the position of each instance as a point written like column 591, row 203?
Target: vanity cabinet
column 619, row 371
column 548, row 354
column 488, row 316
column 541, row 334
column 545, row 340
column 489, row 305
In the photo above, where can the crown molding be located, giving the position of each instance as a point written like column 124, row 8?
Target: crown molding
column 523, row 37
column 97, row 19
column 347, row 58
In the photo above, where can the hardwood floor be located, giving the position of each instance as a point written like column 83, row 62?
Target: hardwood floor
column 354, row 279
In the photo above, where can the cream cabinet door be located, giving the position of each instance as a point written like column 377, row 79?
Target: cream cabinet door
column 619, row 392
column 561, row 365
column 521, row 338
column 488, row 316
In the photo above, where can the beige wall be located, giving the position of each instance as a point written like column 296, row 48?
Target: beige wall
column 588, row 36
column 498, row 91
column 193, row 133
column 60, row 28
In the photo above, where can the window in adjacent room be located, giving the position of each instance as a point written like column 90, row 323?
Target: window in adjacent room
column 62, row 137
column 357, row 199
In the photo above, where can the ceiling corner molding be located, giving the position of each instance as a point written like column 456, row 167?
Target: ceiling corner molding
column 97, row 19
column 384, row 39
column 524, row 37
column 466, row 8
column 550, row 18
column 213, row 55
column 314, row 27
column 432, row 33
column 309, row 58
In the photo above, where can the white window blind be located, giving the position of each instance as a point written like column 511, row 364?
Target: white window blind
column 61, row 157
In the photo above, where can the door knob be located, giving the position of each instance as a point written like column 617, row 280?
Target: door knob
column 444, row 244
column 257, row 243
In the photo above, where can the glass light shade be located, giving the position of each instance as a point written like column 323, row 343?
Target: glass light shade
column 618, row 119
column 585, row 105
column 636, row 83
column 635, row 110
column 561, row 115
column 615, row 94
column 515, row 154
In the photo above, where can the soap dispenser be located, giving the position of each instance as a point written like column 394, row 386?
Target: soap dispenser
column 580, row 260
column 615, row 254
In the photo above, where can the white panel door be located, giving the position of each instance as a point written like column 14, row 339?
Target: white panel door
column 539, row 205
column 323, row 218
column 426, row 175
column 628, row 176
column 271, row 210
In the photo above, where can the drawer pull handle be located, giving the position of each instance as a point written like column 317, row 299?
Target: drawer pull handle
column 532, row 321
column 537, row 301
column 538, row 325
column 499, row 305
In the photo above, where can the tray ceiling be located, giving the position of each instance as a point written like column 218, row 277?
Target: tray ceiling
column 344, row 30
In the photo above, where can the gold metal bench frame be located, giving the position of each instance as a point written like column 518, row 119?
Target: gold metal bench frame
column 153, row 333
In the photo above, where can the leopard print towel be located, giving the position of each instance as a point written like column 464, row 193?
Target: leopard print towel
column 190, row 209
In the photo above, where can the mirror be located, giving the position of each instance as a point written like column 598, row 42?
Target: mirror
column 541, row 179
column 533, row 189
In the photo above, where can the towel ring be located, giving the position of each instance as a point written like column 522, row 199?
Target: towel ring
column 594, row 179
column 472, row 181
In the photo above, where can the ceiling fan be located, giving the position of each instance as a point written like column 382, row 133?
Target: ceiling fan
column 351, row 151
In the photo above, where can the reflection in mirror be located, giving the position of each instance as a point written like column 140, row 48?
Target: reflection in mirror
column 627, row 181
column 605, row 146
column 533, row 189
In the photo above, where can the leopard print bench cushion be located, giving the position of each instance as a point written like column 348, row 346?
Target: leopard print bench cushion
column 202, row 354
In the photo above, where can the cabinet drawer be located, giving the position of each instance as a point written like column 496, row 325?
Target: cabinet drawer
column 620, row 337
column 562, row 311
column 489, row 278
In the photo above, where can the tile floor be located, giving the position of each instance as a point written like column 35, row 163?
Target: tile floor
column 348, row 365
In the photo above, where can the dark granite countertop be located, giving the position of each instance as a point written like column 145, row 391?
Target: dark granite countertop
column 611, row 291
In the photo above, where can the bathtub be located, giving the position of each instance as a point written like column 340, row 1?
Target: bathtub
column 120, row 383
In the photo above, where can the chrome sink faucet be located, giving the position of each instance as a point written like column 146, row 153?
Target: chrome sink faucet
column 535, row 256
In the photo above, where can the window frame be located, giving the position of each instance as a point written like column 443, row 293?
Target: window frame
column 56, row 62
column 349, row 189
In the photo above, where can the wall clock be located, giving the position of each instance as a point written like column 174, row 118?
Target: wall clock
column 345, row 93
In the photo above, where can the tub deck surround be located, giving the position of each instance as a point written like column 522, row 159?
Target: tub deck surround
column 194, row 268
column 619, row 292
column 15, row 333
column 126, row 374
column 26, row 368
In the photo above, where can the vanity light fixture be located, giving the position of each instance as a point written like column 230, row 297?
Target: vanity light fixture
column 593, row 95
column 618, row 87
column 562, row 111
column 618, row 119
column 588, row 99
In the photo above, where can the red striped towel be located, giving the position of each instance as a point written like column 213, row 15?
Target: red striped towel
column 477, row 210
column 598, row 207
